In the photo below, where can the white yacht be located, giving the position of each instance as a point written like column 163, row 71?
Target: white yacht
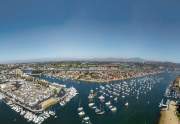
column 113, row 109
column 82, row 113
column 126, row 104
column 91, row 105
column 108, row 103
column 80, row 109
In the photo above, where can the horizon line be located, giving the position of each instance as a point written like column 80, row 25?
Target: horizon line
column 100, row 59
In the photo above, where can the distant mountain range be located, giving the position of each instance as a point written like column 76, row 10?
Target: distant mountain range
column 109, row 59
column 136, row 59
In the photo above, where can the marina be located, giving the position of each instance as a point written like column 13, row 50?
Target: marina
column 104, row 103
column 38, row 118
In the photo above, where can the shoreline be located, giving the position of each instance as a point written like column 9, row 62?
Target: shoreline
column 109, row 81
column 169, row 116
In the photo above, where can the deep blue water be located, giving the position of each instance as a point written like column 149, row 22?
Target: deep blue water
column 138, row 112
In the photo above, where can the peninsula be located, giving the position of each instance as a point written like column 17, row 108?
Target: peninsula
column 31, row 97
column 96, row 71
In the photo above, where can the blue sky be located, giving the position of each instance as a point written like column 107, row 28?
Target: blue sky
column 35, row 29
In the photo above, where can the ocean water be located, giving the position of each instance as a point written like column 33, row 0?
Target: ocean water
column 142, row 111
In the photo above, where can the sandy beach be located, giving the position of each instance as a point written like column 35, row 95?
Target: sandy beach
column 169, row 117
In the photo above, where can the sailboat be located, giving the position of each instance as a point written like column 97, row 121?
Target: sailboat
column 82, row 113
column 79, row 109
column 113, row 109
column 99, row 111
column 126, row 104
column 91, row 104
column 108, row 103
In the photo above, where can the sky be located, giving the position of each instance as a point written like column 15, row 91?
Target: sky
column 36, row 29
